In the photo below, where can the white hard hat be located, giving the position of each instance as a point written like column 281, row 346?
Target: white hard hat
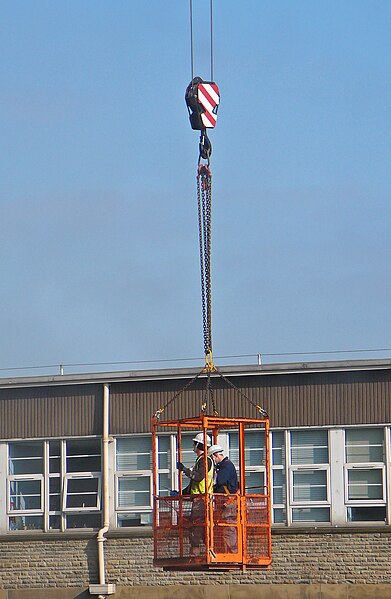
column 199, row 438
column 215, row 449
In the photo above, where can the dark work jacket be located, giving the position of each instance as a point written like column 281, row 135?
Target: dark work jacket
column 226, row 477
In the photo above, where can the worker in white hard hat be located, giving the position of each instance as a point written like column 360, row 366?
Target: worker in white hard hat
column 196, row 488
column 226, row 475
column 197, row 473
column 226, row 506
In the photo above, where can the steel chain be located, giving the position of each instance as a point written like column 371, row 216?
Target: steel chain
column 202, row 265
column 208, row 272
column 204, row 196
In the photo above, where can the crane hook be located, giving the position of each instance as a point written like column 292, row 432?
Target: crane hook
column 205, row 147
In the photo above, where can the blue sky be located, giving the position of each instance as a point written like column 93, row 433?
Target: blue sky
column 98, row 227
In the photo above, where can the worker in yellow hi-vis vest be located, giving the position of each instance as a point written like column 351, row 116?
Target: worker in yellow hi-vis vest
column 198, row 486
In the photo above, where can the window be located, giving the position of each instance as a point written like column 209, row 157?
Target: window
column 334, row 476
column 55, row 472
column 309, row 476
column 254, row 451
column 54, row 484
column 134, row 481
column 82, row 483
column 365, row 475
column 25, row 485
column 278, row 462
column 81, row 493
column 188, row 455
column 164, row 465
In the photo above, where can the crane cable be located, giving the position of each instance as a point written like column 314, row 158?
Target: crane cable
column 192, row 39
column 202, row 99
column 203, row 117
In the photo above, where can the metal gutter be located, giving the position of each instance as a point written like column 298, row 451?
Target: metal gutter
column 183, row 373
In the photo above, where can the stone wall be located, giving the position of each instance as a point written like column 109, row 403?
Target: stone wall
column 297, row 559
column 307, row 557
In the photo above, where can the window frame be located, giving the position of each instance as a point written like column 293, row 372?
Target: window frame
column 294, row 504
column 259, row 468
column 364, row 502
column 309, row 502
column 351, row 466
column 80, row 476
column 121, row 511
column 20, row 478
column 129, row 475
column 59, row 474
column 283, row 468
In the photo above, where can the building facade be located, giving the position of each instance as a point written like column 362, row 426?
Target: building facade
column 75, row 458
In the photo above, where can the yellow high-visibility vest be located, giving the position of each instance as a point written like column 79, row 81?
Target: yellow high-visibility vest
column 199, row 488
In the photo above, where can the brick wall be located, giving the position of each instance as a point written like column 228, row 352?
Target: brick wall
column 306, row 558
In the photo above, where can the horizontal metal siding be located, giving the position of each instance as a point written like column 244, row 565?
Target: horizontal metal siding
column 313, row 399
column 59, row 411
column 300, row 399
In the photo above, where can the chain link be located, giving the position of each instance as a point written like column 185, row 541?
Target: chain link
column 204, row 200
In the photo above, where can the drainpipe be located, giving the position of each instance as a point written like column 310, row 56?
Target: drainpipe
column 102, row 589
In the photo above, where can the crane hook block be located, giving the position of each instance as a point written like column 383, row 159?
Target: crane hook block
column 202, row 100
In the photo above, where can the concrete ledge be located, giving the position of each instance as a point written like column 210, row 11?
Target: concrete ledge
column 147, row 532
column 258, row 591
column 239, row 591
column 46, row 594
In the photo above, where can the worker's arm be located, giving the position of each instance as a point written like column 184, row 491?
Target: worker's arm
column 193, row 473
column 197, row 473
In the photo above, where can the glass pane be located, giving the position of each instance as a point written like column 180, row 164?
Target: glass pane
column 25, row 523
column 134, row 491
column 309, row 447
column 279, row 486
column 364, row 445
column 82, row 493
column 253, row 456
column 25, row 458
column 25, row 495
column 255, row 482
column 279, row 516
column 278, row 448
column 188, row 455
column 84, row 521
column 26, row 449
column 310, row 485
column 367, row 514
column 54, row 465
column 54, row 522
column 54, row 457
column 54, row 495
column 134, row 519
column 83, row 455
column 54, row 503
column 365, row 484
column 134, row 453
column 164, row 452
column 254, row 447
column 164, row 484
column 311, row 514
column 234, row 449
